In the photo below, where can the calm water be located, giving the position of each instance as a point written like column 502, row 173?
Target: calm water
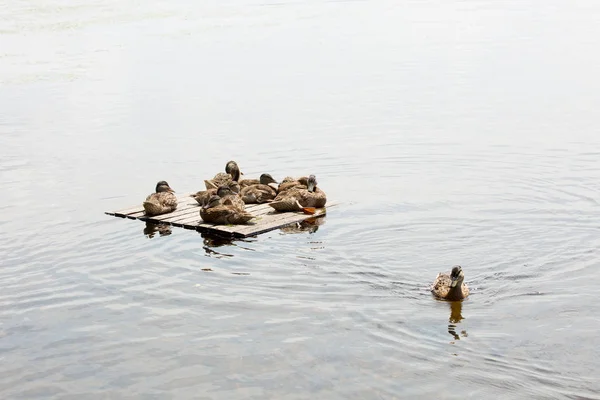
column 453, row 132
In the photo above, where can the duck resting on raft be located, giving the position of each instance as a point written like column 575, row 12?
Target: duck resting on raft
column 232, row 173
column 217, row 212
column 300, row 198
column 258, row 191
column 162, row 201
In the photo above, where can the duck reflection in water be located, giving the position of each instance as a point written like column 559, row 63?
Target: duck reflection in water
column 310, row 225
column 455, row 318
column 151, row 229
column 212, row 241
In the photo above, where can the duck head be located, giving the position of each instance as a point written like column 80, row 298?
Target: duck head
column 312, row 183
column 224, row 190
column 232, row 169
column 457, row 276
column 265, row 179
column 163, row 186
column 213, row 201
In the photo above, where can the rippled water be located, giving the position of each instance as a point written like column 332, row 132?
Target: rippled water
column 461, row 132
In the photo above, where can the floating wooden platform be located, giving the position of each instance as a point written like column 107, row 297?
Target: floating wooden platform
column 187, row 216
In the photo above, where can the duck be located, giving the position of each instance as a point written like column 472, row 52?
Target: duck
column 292, row 183
column 260, row 192
column 265, row 179
column 221, row 214
column 229, row 197
column 451, row 287
column 232, row 173
column 300, row 199
column 203, row 196
column 162, row 201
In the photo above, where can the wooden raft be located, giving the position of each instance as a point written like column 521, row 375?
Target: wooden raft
column 187, row 216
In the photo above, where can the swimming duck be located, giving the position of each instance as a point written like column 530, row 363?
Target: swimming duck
column 451, row 287
column 162, row 201
column 217, row 213
column 232, row 173
column 260, row 192
column 298, row 198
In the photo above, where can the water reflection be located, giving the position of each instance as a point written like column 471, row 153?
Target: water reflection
column 455, row 318
column 310, row 225
column 212, row 241
column 151, row 229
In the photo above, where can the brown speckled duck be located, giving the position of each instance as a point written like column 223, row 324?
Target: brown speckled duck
column 232, row 173
column 291, row 183
column 218, row 213
column 228, row 197
column 162, row 201
column 203, row 196
column 264, row 179
column 259, row 192
column 451, row 287
column 299, row 198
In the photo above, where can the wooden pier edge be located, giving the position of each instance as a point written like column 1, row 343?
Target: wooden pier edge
column 187, row 216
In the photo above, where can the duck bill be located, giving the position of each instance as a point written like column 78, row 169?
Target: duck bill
column 454, row 282
column 311, row 186
column 171, row 190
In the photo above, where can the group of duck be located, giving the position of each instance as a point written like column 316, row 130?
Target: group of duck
column 225, row 197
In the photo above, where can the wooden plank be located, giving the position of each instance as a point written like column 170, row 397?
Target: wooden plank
column 126, row 211
column 187, row 215
column 252, row 207
column 196, row 222
column 274, row 220
column 190, row 223
column 262, row 209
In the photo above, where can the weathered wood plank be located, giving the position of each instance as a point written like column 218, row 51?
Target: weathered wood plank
column 187, row 215
column 190, row 222
column 196, row 222
column 262, row 209
column 275, row 220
